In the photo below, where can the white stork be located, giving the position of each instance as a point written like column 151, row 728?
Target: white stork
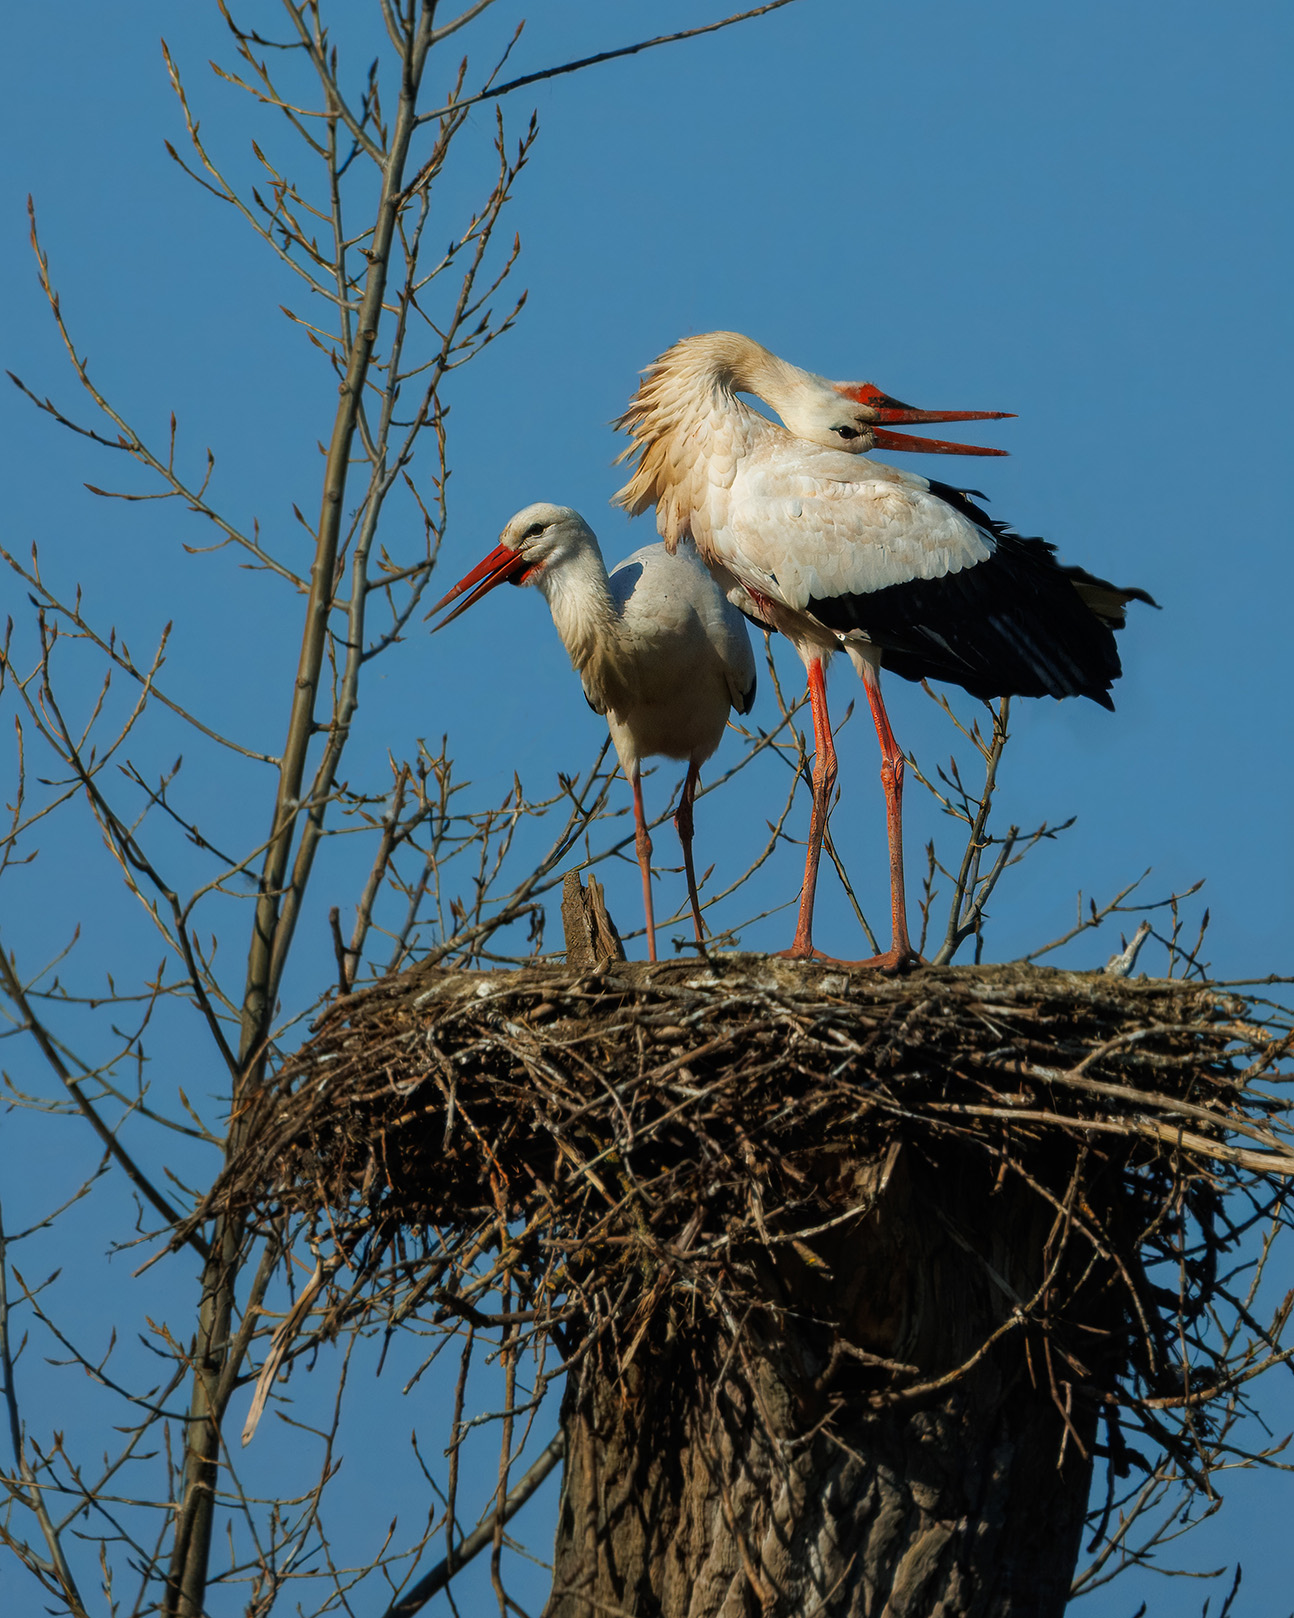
column 658, row 648
column 838, row 552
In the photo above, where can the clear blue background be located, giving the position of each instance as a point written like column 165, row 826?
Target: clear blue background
column 1076, row 213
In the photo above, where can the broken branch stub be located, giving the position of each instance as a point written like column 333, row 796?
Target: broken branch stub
column 591, row 936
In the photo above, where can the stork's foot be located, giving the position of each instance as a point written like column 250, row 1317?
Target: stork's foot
column 893, row 962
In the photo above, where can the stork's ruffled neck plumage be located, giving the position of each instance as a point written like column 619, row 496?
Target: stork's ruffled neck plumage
column 689, row 427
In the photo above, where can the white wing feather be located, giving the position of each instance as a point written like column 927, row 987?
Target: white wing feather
column 829, row 524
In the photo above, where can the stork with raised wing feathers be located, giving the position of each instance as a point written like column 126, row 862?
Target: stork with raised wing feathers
column 659, row 650
column 808, row 536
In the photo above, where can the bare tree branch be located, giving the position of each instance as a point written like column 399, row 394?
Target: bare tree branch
column 602, row 56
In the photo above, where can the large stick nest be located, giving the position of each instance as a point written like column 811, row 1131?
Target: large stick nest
column 434, row 1095
column 613, row 1140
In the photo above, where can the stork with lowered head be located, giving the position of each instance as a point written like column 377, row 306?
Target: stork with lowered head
column 659, row 650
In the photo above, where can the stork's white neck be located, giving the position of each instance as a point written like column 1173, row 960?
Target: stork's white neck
column 732, row 364
column 585, row 615
column 702, row 376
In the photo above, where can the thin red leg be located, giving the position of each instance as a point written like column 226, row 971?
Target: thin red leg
column 824, row 781
column 683, row 826
column 900, row 953
column 643, row 845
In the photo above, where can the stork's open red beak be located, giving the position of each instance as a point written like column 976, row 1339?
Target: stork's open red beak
column 501, row 565
column 887, row 409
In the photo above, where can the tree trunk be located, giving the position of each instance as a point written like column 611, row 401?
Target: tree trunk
column 773, row 1466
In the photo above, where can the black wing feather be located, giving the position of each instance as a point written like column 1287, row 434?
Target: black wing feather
column 1011, row 625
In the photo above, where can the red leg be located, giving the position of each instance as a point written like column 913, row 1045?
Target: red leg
column 824, row 781
column 683, row 826
column 901, row 953
column 642, row 843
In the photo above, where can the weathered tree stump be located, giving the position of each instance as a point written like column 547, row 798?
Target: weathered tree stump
column 779, row 1465
column 591, row 936
column 850, row 1279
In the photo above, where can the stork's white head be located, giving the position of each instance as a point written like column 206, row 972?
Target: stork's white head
column 531, row 550
column 544, row 536
column 852, row 416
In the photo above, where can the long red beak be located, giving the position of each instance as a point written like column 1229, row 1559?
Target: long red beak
column 888, row 409
column 499, row 566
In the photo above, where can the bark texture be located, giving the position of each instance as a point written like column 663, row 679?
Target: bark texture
column 764, row 1467
column 591, row 936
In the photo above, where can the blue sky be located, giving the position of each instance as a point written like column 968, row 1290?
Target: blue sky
column 1077, row 214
